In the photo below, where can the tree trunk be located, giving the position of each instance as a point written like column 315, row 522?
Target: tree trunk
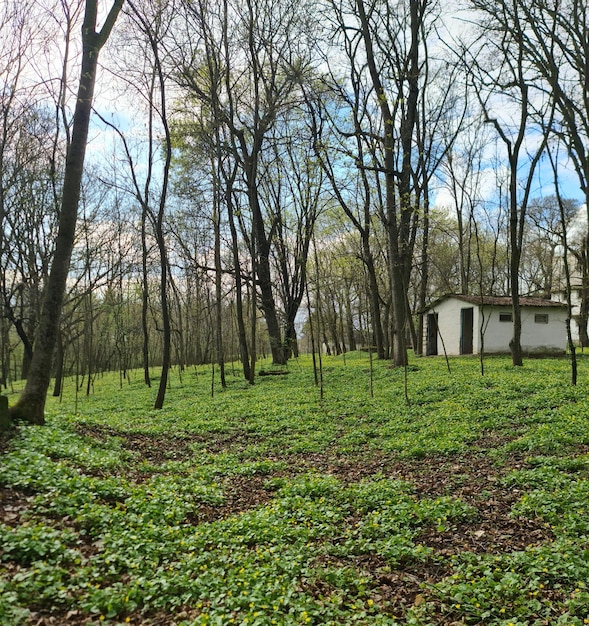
column 290, row 339
column 374, row 297
column 88, row 341
column 4, row 354
column 567, row 274
column 59, row 362
column 166, row 326
column 350, row 325
column 515, row 343
column 584, row 305
column 399, row 312
column 424, row 278
column 31, row 403
column 401, row 253
column 144, row 299
column 399, row 209
column 253, row 317
column 164, row 273
column 218, row 290
column 264, row 275
column 333, row 318
column 241, row 329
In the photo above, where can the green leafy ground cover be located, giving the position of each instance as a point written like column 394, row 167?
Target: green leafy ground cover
column 265, row 505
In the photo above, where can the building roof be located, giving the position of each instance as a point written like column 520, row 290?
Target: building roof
column 498, row 301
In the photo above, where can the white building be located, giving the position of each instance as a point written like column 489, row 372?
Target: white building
column 453, row 325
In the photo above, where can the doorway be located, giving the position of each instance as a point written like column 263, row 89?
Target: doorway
column 431, row 338
column 466, row 330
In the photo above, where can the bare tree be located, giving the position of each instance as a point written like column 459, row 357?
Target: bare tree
column 554, row 43
column 293, row 200
column 348, row 163
column 28, row 169
column 247, row 94
column 151, row 21
column 443, row 112
column 31, row 403
column 505, row 89
column 565, row 219
column 388, row 45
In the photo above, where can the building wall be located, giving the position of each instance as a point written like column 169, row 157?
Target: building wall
column 536, row 337
column 449, row 330
column 497, row 333
column 549, row 337
column 576, row 308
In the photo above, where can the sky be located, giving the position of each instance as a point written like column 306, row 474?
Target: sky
column 127, row 115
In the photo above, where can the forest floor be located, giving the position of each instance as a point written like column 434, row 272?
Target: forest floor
column 270, row 505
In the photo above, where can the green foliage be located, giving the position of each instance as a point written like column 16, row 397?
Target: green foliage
column 28, row 543
column 266, row 504
column 519, row 588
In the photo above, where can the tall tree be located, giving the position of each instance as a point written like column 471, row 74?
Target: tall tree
column 30, row 166
column 292, row 198
column 398, row 103
column 348, row 162
column 243, row 68
column 31, row 403
column 505, row 89
column 443, row 109
column 565, row 217
column 555, row 43
column 152, row 21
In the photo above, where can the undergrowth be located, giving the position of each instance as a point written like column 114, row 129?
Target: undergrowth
column 266, row 504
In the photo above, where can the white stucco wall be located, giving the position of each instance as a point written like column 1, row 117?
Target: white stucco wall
column 551, row 336
column 576, row 306
column 536, row 337
column 449, row 330
column 497, row 333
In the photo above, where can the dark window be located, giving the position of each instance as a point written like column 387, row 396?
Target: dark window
column 541, row 318
column 505, row 317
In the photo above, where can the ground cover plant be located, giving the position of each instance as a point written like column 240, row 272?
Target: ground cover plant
column 267, row 505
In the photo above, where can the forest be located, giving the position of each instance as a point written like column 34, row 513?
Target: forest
column 222, row 226
column 191, row 182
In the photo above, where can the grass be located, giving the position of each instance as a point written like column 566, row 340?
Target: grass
column 267, row 505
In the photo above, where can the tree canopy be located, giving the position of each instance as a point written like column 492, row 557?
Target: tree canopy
column 258, row 171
